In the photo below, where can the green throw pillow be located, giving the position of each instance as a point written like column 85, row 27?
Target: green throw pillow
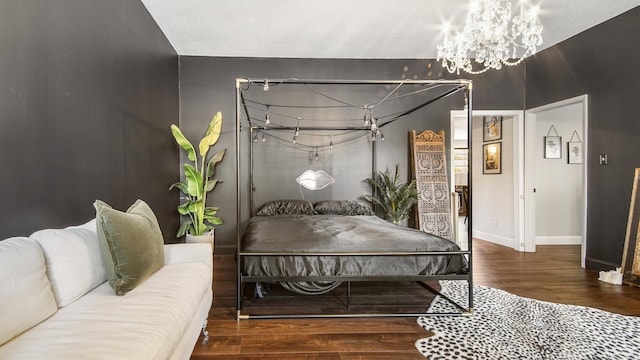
column 131, row 243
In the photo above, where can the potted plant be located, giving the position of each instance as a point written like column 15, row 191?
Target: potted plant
column 392, row 195
column 199, row 220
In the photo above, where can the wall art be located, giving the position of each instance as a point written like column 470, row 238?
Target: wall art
column 574, row 149
column 492, row 128
column 492, row 158
column 552, row 145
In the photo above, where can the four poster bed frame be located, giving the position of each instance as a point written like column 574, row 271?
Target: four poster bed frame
column 243, row 255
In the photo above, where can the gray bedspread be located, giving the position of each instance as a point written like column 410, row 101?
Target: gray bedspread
column 338, row 233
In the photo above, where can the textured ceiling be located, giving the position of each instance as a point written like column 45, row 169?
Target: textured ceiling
column 398, row 29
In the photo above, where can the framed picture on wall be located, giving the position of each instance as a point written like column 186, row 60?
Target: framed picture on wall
column 492, row 128
column 553, row 147
column 492, row 158
column 631, row 253
column 574, row 152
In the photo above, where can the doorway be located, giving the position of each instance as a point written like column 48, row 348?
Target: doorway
column 497, row 199
column 459, row 177
column 556, row 182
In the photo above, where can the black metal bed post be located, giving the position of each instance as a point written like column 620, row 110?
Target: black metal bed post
column 374, row 160
column 469, row 185
column 251, row 185
column 238, row 198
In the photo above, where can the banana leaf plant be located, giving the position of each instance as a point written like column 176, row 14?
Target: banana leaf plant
column 394, row 197
column 198, row 218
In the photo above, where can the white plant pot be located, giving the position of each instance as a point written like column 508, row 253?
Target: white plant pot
column 208, row 238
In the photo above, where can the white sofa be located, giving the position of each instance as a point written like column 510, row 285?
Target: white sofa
column 55, row 302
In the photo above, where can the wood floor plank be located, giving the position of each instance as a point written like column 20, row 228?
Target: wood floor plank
column 553, row 273
column 350, row 342
column 315, row 326
column 277, row 356
column 218, row 344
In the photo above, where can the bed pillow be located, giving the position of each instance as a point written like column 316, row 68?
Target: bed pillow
column 287, row 207
column 131, row 244
column 342, row 207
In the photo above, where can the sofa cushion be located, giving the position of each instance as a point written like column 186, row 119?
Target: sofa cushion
column 147, row 323
column 25, row 295
column 74, row 262
column 131, row 243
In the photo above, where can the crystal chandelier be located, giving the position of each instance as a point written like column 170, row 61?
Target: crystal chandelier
column 492, row 37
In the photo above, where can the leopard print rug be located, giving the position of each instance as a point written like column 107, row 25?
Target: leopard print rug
column 506, row 326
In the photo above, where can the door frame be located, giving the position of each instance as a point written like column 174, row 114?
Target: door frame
column 518, row 165
column 530, row 142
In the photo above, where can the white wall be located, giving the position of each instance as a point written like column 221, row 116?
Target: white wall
column 493, row 194
column 559, row 197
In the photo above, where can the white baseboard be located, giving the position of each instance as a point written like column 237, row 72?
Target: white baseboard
column 496, row 239
column 558, row 240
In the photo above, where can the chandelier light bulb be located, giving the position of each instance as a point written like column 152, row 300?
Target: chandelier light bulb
column 474, row 5
column 446, row 27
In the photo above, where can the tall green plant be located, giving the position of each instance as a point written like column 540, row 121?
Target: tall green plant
column 392, row 195
column 198, row 181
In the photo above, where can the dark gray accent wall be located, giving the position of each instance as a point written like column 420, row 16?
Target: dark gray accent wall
column 603, row 63
column 88, row 90
column 207, row 85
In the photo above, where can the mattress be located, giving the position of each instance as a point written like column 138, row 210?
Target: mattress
column 291, row 237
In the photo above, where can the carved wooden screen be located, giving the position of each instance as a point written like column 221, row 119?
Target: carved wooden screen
column 429, row 163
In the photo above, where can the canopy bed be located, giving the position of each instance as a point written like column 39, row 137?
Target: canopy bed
column 310, row 246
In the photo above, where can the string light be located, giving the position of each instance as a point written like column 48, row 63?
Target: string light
column 267, row 120
column 371, row 129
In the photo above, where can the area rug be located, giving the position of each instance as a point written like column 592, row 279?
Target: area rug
column 506, row 326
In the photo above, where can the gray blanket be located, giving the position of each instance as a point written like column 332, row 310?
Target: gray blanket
column 337, row 233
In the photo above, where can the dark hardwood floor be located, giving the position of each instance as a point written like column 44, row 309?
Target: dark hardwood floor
column 553, row 274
